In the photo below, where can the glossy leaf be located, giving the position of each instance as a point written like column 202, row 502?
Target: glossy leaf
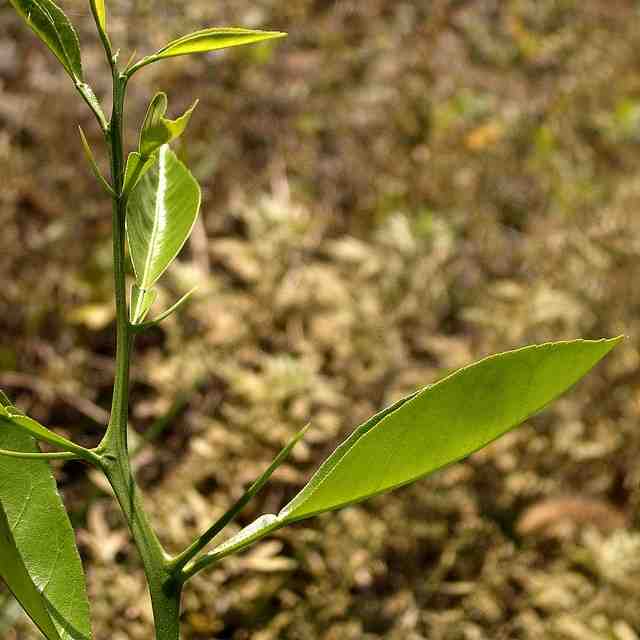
column 161, row 213
column 141, row 301
column 439, row 425
column 158, row 130
column 39, row 560
column 212, row 39
column 53, row 27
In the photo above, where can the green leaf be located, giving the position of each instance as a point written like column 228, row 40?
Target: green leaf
column 94, row 165
column 212, row 39
column 15, row 574
column 439, row 425
column 100, row 13
column 173, row 308
column 141, row 301
column 53, row 27
column 161, row 212
column 137, row 166
column 158, row 130
column 39, row 560
column 446, row 422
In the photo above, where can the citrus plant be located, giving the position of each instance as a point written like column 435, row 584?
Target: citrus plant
column 156, row 201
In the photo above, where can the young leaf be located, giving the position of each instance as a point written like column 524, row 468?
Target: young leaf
column 137, row 166
column 141, row 301
column 39, row 560
column 212, row 39
column 168, row 312
column 94, row 165
column 158, row 130
column 161, row 212
column 100, row 13
column 439, row 425
column 53, row 27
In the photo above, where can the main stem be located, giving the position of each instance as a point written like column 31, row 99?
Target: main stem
column 165, row 592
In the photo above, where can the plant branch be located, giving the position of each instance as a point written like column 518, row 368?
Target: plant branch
column 113, row 450
column 188, row 554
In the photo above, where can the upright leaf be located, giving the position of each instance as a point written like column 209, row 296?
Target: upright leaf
column 161, row 213
column 158, row 130
column 212, row 39
column 100, row 13
column 141, row 302
column 441, row 424
column 53, row 27
column 38, row 556
column 136, row 167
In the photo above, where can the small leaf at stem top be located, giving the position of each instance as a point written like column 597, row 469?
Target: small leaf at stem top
column 205, row 40
column 158, row 130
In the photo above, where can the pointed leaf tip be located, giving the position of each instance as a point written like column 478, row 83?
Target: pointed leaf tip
column 446, row 422
column 207, row 40
column 158, row 130
column 431, row 428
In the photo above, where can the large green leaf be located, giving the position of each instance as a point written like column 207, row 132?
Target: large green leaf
column 39, row 560
column 441, row 424
column 158, row 130
column 53, row 27
column 211, row 39
column 161, row 212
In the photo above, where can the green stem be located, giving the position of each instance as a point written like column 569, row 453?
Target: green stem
column 181, row 561
column 113, row 450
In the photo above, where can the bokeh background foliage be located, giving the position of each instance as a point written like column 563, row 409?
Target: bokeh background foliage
column 397, row 189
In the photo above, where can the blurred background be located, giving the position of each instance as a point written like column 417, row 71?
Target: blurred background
column 397, row 189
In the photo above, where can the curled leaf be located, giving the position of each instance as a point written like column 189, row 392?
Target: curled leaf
column 158, row 130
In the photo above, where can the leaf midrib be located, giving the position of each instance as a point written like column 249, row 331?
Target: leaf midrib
column 160, row 195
